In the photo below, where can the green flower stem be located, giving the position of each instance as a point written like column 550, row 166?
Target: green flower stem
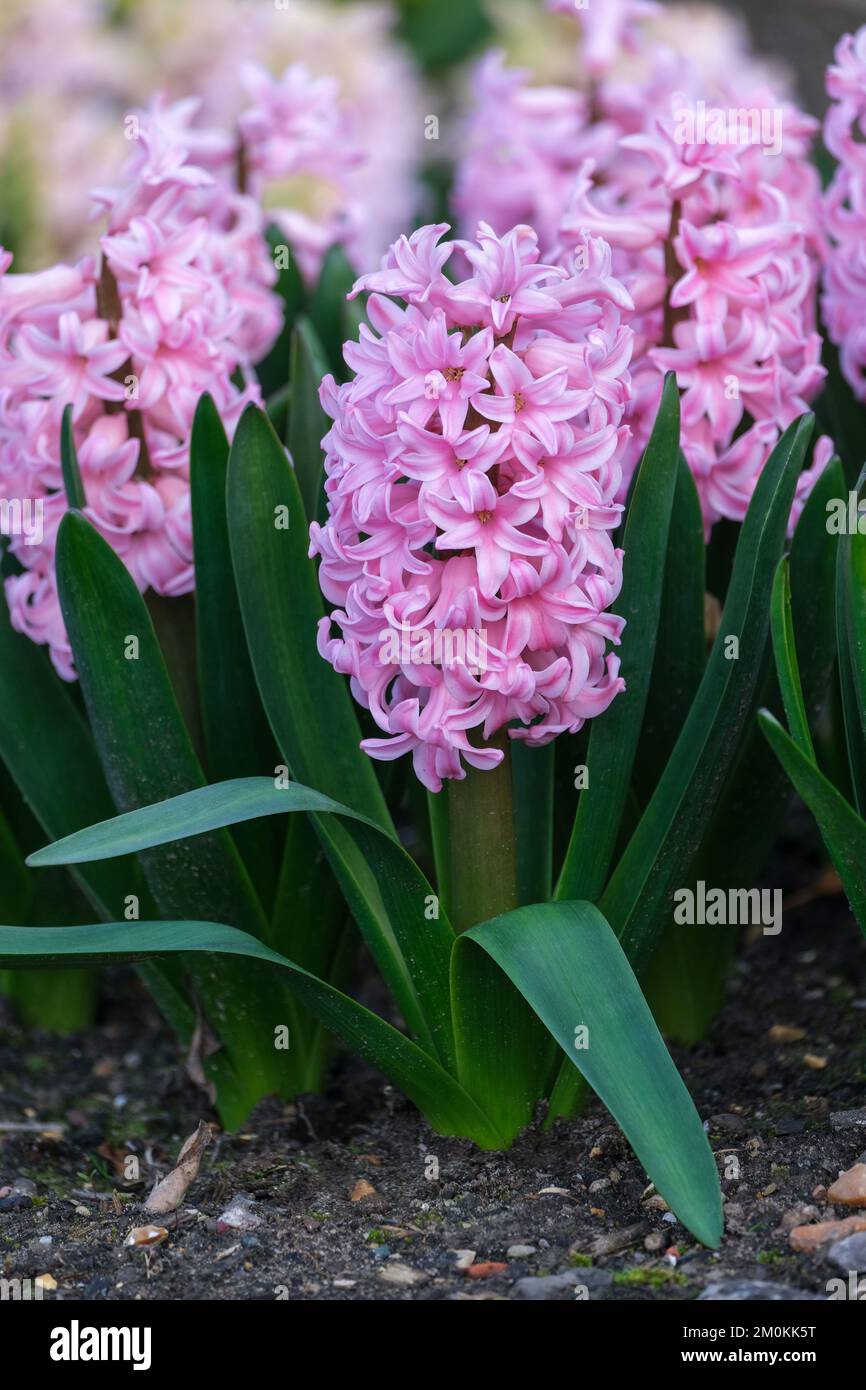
column 483, row 880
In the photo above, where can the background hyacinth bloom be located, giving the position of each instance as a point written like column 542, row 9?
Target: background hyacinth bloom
column 181, row 303
column 714, row 231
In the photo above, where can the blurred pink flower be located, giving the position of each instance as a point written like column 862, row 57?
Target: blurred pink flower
column 183, row 303
column 695, row 170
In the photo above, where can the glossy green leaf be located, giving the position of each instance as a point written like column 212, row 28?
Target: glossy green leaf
column 394, row 903
column 681, row 645
column 237, row 735
column 566, row 961
column 844, row 832
column 670, row 831
column 446, row 1106
column 614, row 737
column 308, row 423
column 782, row 628
column 146, row 753
column 75, row 494
column 328, row 307
column 533, row 773
column 273, row 372
column 315, row 724
column 308, row 704
column 851, row 640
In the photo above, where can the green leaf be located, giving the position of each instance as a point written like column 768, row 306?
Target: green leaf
column 146, row 753
column 840, row 414
column 50, row 754
column 567, row 963
column 328, row 307
column 533, row 774
column 686, row 980
column 75, row 494
column 671, row 828
column 308, row 704
column 237, row 735
column 851, row 642
column 843, row 831
column 681, row 645
column 614, row 737
column 308, row 423
column 315, row 724
column 447, row 1107
column 273, row 372
column 782, row 628
column 387, row 891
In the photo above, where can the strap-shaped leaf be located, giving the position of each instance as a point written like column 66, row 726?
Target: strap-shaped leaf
column 444, row 1103
column 614, row 738
column 670, row 830
column 308, row 423
column 843, row 831
column 851, row 640
column 315, row 724
column 237, row 735
column 395, row 905
column 308, row 704
column 782, row 628
column 75, row 494
column 566, row 961
column 145, row 752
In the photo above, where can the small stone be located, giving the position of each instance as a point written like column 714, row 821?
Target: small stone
column 809, row 1238
column 403, row 1275
column 849, row 1189
column 798, row 1216
column 815, row 1062
column 239, row 1215
column 733, row 1124
column 849, row 1119
column 615, row 1241
column 819, row 1193
column 657, row 1202
column 520, row 1252
column 465, row 1258
column 25, row 1187
column 600, row 1185
column 784, row 1033
column 654, row 1241
column 850, row 1253
column 596, row 1151
column 15, row 1202
column 749, row 1290
column 538, row 1289
column 45, row 1281
column 344, row 1283
column 486, row 1269
column 553, row 1192
column 361, row 1190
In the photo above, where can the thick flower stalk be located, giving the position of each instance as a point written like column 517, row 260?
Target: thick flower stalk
column 844, row 298
column 179, row 303
column 694, row 168
column 472, row 474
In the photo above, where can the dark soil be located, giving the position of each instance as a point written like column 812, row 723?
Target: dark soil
column 576, row 1195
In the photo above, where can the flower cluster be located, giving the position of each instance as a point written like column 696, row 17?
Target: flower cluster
column 69, row 77
column 844, row 298
column 694, row 168
column 472, row 473
column 180, row 304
